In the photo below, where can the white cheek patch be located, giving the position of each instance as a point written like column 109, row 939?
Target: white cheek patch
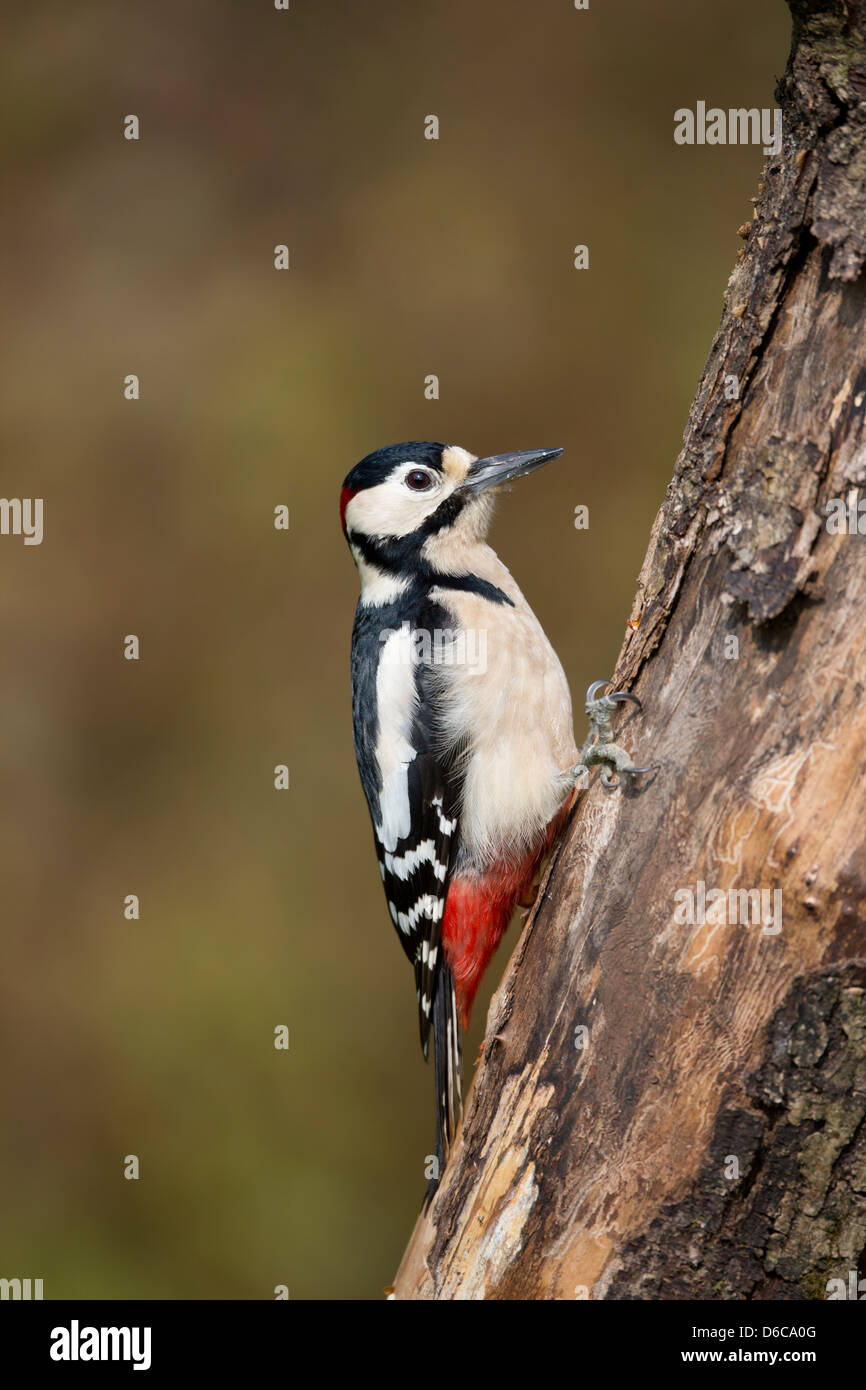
column 393, row 509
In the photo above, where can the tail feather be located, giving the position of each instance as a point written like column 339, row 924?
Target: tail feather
column 448, row 1069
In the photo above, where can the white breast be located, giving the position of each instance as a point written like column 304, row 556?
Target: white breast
column 514, row 707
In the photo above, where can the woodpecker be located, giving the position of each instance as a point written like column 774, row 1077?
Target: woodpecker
column 462, row 722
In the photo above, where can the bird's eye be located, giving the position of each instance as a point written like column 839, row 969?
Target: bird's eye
column 419, row 480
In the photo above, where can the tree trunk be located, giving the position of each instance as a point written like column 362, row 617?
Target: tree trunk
column 673, row 1109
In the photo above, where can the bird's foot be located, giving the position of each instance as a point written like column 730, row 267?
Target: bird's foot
column 600, row 748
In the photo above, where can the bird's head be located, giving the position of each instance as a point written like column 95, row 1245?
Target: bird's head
column 401, row 504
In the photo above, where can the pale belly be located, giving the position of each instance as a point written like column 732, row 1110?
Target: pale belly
column 513, row 701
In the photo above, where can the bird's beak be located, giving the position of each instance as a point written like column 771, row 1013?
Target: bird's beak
column 501, row 468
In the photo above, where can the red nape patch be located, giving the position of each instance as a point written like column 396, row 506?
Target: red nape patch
column 346, row 495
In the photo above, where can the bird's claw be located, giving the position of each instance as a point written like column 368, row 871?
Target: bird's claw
column 600, row 748
column 619, row 697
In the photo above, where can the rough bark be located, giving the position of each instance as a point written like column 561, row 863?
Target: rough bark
column 606, row 1171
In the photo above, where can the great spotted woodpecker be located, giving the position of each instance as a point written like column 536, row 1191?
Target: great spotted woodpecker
column 462, row 722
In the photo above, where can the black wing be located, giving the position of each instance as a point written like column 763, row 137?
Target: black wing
column 412, row 786
column 413, row 789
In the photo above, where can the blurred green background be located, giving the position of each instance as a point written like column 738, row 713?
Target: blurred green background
column 259, row 387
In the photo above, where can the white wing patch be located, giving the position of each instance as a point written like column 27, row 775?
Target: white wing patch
column 396, row 698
